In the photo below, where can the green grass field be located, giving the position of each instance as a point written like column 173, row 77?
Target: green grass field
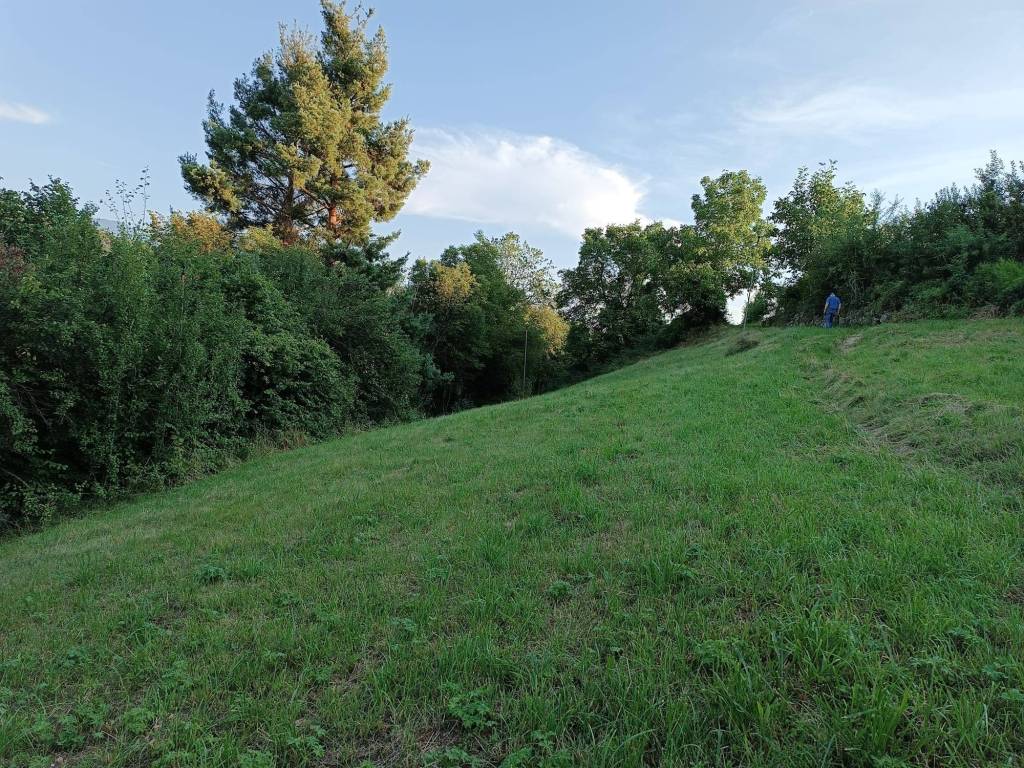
column 808, row 552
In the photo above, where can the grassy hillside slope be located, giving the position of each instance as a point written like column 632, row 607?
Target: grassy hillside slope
column 804, row 553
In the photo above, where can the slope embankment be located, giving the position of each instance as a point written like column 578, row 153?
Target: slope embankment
column 800, row 551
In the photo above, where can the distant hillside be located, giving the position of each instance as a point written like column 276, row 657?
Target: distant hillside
column 787, row 548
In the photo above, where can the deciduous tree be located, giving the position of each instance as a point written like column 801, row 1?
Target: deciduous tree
column 731, row 228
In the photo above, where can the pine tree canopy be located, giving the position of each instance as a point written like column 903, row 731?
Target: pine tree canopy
column 304, row 150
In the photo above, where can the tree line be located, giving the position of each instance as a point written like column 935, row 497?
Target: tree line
column 959, row 253
column 163, row 350
column 647, row 287
column 151, row 356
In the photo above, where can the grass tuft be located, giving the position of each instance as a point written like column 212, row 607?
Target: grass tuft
column 741, row 343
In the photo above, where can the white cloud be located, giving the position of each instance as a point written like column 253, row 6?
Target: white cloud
column 841, row 110
column 854, row 110
column 22, row 113
column 512, row 179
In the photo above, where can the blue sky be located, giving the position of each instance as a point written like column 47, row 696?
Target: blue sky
column 543, row 117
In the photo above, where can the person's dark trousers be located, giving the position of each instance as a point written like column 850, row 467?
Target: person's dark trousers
column 829, row 319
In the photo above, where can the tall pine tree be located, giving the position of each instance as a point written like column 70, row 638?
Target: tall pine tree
column 304, row 149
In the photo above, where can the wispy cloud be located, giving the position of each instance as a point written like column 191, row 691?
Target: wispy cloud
column 852, row 111
column 491, row 177
column 22, row 113
column 839, row 110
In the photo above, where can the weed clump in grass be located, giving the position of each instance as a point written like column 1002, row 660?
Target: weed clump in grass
column 559, row 589
column 210, row 574
column 741, row 344
column 472, row 710
column 138, row 720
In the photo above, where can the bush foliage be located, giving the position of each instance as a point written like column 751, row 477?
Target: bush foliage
column 152, row 355
column 134, row 359
column 958, row 253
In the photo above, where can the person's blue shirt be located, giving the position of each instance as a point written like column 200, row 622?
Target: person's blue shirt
column 832, row 302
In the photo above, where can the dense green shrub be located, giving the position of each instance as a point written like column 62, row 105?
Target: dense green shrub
column 961, row 251
column 295, row 383
column 350, row 299
column 1000, row 283
column 135, row 359
column 149, row 356
column 96, row 398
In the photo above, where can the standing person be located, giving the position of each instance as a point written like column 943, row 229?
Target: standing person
column 832, row 307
